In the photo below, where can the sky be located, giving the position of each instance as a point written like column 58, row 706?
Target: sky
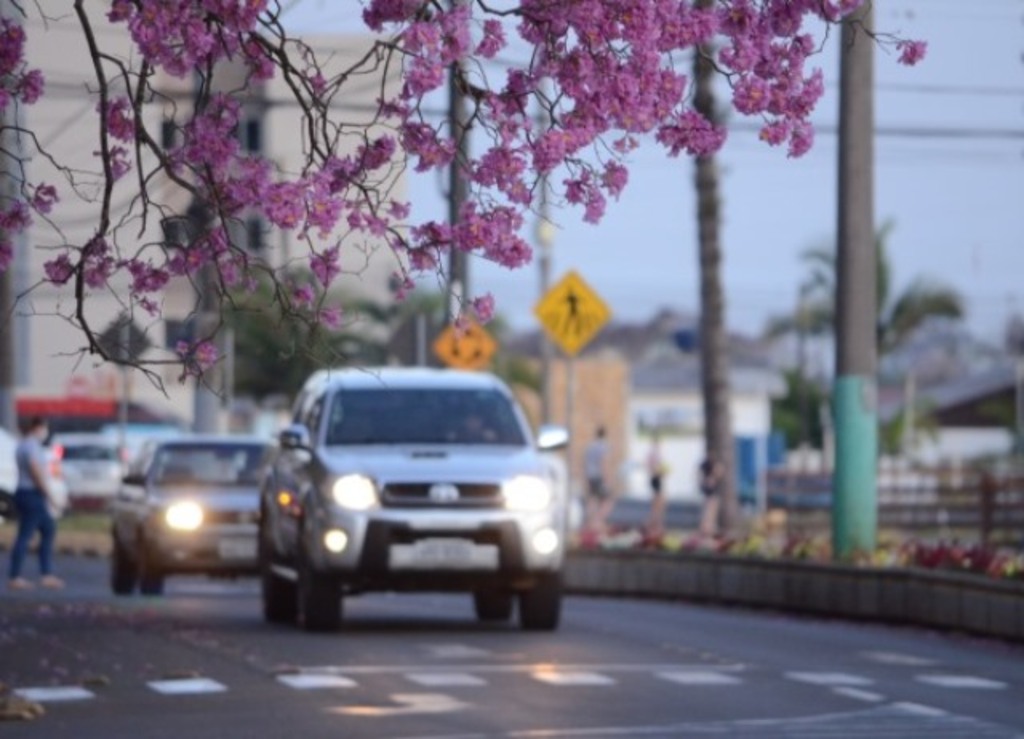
column 949, row 172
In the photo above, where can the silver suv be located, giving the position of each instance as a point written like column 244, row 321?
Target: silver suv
column 412, row 479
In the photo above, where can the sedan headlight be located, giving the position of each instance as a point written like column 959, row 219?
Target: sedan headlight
column 185, row 515
column 527, row 493
column 356, row 492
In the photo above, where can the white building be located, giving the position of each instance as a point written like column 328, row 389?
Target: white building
column 53, row 361
column 666, row 398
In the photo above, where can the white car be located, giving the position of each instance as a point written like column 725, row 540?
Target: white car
column 91, row 466
column 8, row 473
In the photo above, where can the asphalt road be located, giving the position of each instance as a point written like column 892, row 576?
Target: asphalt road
column 200, row 662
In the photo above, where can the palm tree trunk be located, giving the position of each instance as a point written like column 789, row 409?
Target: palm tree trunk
column 713, row 338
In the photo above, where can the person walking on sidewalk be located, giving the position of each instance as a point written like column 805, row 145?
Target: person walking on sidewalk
column 656, row 472
column 32, row 502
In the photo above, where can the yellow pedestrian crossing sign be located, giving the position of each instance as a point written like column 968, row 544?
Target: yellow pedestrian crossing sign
column 470, row 348
column 571, row 313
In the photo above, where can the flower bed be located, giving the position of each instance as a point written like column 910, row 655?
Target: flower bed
column 963, row 590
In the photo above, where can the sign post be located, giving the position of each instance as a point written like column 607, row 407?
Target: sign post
column 571, row 314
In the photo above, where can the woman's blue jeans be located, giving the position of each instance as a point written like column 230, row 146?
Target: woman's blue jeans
column 32, row 516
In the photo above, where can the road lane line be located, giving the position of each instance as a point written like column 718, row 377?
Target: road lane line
column 559, row 676
column 315, row 682
column 408, row 703
column 898, row 658
column 445, row 679
column 187, row 686
column 968, row 682
column 699, row 678
column 829, row 678
column 54, row 694
column 857, row 694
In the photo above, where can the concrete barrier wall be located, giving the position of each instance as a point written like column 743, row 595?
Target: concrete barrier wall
column 951, row 601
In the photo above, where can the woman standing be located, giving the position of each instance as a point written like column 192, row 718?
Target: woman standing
column 31, row 501
column 656, row 471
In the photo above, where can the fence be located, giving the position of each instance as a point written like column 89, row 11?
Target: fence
column 977, row 504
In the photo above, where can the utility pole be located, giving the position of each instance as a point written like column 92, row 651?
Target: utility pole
column 8, row 191
column 854, row 400
column 458, row 265
column 205, row 403
column 545, row 234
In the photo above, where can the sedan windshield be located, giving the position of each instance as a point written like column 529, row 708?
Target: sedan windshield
column 422, row 416
column 220, row 464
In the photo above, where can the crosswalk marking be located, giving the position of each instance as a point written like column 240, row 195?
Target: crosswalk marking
column 187, row 686
column 857, row 694
column 699, row 678
column 961, row 681
column 829, row 678
column 445, row 679
column 455, row 651
column 558, row 677
column 313, row 681
column 55, row 694
column 897, row 658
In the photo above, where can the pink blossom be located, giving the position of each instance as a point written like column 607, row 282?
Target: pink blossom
column 44, row 198
column 325, row 266
column 483, row 307
column 59, row 270
column 911, row 52
column 30, row 88
column 330, row 317
column 119, row 120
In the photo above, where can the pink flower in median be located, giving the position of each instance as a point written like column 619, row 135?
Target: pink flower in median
column 911, row 52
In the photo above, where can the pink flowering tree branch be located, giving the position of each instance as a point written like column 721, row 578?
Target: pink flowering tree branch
column 607, row 73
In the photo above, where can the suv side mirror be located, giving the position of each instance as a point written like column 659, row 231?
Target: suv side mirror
column 550, row 438
column 134, row 478
column 295, row 436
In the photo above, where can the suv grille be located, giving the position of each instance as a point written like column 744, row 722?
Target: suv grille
column 417, row 494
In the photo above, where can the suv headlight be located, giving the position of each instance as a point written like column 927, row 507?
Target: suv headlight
column 185, row 515
column 527, row 493
column 356, row 492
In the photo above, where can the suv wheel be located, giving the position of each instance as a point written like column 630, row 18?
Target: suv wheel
column 491, row 605
column 280, row 597
column 541, row 606
column 319, row 599
column 123, row 572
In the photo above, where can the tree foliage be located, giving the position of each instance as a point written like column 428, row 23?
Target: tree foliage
column 606, row 72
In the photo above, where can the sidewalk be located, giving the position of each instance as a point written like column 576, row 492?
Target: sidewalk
column 80, row 543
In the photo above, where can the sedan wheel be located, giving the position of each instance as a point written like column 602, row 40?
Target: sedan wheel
column 151, row 579
column 123, row 572
column 280, row 596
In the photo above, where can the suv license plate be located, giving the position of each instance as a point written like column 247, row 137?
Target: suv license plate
column 455, row 554
column 237, row 549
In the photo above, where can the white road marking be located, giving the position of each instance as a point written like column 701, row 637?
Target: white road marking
column 409, row 703
column 512, row 668
column 897, row 658
column 961, row 681
column 696, row 677
column 918, row 710
column 308, row 681
column 445, row 679
column 187, row 686
column 564, row 677
column 455, row 651
column 860, row 695
column 829, row 678
column 54, row 694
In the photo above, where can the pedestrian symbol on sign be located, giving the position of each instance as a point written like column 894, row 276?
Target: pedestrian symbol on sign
column 572, row 314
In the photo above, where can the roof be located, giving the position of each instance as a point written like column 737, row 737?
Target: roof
column 959, row 391
column 683, row 374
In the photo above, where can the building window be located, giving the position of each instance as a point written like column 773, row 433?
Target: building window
column 255, row 234
column 168, row 134
column 253, row 131
column 175, row 230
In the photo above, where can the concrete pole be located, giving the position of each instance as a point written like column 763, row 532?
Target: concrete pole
column 855, row 485
column 545, row 235
column 8, row 191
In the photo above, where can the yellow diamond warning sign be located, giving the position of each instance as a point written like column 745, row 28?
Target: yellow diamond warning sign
column 572, row 314
column 468, row 348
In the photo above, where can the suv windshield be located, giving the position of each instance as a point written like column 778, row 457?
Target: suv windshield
column 422, row 416
column 89, row 453
column 220, row 464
